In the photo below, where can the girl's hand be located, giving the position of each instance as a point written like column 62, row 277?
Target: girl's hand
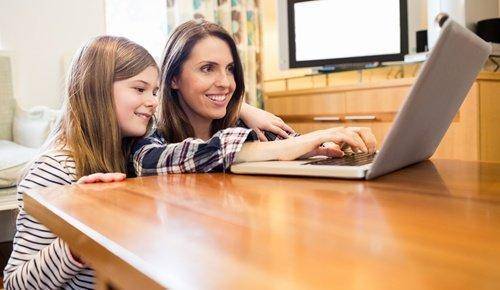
column 260, row 120
column 102, row 177
column 77, row 258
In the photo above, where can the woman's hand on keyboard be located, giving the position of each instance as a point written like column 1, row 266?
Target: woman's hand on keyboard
column 358, row 139
column 322, row 142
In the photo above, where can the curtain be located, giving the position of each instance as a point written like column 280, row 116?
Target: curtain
column 241, row 19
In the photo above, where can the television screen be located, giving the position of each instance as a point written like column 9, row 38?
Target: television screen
column 328, row 32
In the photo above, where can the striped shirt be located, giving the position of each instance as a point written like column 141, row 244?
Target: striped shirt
column 153, row 155
column 41, row 260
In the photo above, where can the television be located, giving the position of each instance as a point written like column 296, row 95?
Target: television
column 328, row 33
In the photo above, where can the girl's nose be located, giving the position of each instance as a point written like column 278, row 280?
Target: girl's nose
column 151, row 101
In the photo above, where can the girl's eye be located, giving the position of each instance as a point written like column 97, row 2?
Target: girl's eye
column 230, row 69
column 155, row 92
column 140, row 90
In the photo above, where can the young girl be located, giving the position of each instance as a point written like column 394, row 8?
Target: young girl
column 110, row 98
column 201, row 93
column 111, row 95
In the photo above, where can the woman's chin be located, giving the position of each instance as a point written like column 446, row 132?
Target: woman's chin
column 218, row 115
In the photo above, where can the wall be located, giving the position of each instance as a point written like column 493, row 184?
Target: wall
column 42, row 34
column 417, row 20
column 270, row 47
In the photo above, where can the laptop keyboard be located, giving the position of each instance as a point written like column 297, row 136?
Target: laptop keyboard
column 357, row 159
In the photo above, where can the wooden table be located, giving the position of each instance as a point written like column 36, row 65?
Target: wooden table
column 435, row 225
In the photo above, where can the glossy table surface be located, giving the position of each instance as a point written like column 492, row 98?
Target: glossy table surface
column 434, row 225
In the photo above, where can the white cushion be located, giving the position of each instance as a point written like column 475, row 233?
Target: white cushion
column 7, row 102
column 7, row 107
column 31, row 127
column 13, row 158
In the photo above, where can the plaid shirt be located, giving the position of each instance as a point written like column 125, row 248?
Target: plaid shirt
column 152, row 155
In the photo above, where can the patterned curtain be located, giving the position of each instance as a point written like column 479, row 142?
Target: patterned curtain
column 241, row 19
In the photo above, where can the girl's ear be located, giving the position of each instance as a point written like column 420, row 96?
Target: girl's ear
column 174, row 84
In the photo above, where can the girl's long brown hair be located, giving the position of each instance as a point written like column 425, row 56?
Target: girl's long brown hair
column 173, row 122
column 88, row 127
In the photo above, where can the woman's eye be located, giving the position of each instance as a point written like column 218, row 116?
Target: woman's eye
column 155, row 92
column 140, row 90
column 230, row 69
column 206, row 68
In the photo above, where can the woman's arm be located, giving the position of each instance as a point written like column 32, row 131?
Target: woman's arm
column 260, row 120
column 153, row 156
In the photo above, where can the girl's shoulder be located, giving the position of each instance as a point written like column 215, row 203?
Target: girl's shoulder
column 52, row 167
column 58, row 162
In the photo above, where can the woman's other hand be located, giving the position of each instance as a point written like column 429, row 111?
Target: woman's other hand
column 260, row 120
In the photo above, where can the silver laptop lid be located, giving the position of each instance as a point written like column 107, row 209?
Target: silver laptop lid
column 434, row 99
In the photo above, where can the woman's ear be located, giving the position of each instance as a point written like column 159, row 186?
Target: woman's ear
column 174, row 84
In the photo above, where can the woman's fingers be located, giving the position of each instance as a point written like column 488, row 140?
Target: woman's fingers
column 342, row 136
column 331, row 149
column 369, row 139
column 360, row 141
column 284, row 126
column 328, row 151
column 260, row 135
column 358, row 138
column 278, row 131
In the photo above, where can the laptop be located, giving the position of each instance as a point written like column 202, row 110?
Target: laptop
column 420, row 124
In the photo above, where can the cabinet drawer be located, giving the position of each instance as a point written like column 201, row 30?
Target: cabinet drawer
column 384, row 100
column 317, row 105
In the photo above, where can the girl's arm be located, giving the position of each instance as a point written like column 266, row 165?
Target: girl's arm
column 260, row 120
column 40, row 260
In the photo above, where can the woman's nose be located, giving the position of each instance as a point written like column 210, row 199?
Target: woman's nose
column 222, row 80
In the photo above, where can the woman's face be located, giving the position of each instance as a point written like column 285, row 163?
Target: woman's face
column 206, row 81
column 136, row 102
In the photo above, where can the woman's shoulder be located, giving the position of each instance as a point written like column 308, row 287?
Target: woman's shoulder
column 155, row 137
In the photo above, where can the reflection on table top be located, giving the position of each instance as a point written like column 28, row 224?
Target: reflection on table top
column 434, row 225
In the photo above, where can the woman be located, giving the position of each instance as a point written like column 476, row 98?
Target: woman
column 201, row 92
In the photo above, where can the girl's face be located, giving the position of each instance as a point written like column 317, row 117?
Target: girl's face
column 136, row 102
column 206, row 82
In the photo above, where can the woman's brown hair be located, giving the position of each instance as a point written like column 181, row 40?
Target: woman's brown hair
column 88, row 126
column 173, row 122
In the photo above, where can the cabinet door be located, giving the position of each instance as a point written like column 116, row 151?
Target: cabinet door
column 461, row 141
column 325, row 104
column 372, row 101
